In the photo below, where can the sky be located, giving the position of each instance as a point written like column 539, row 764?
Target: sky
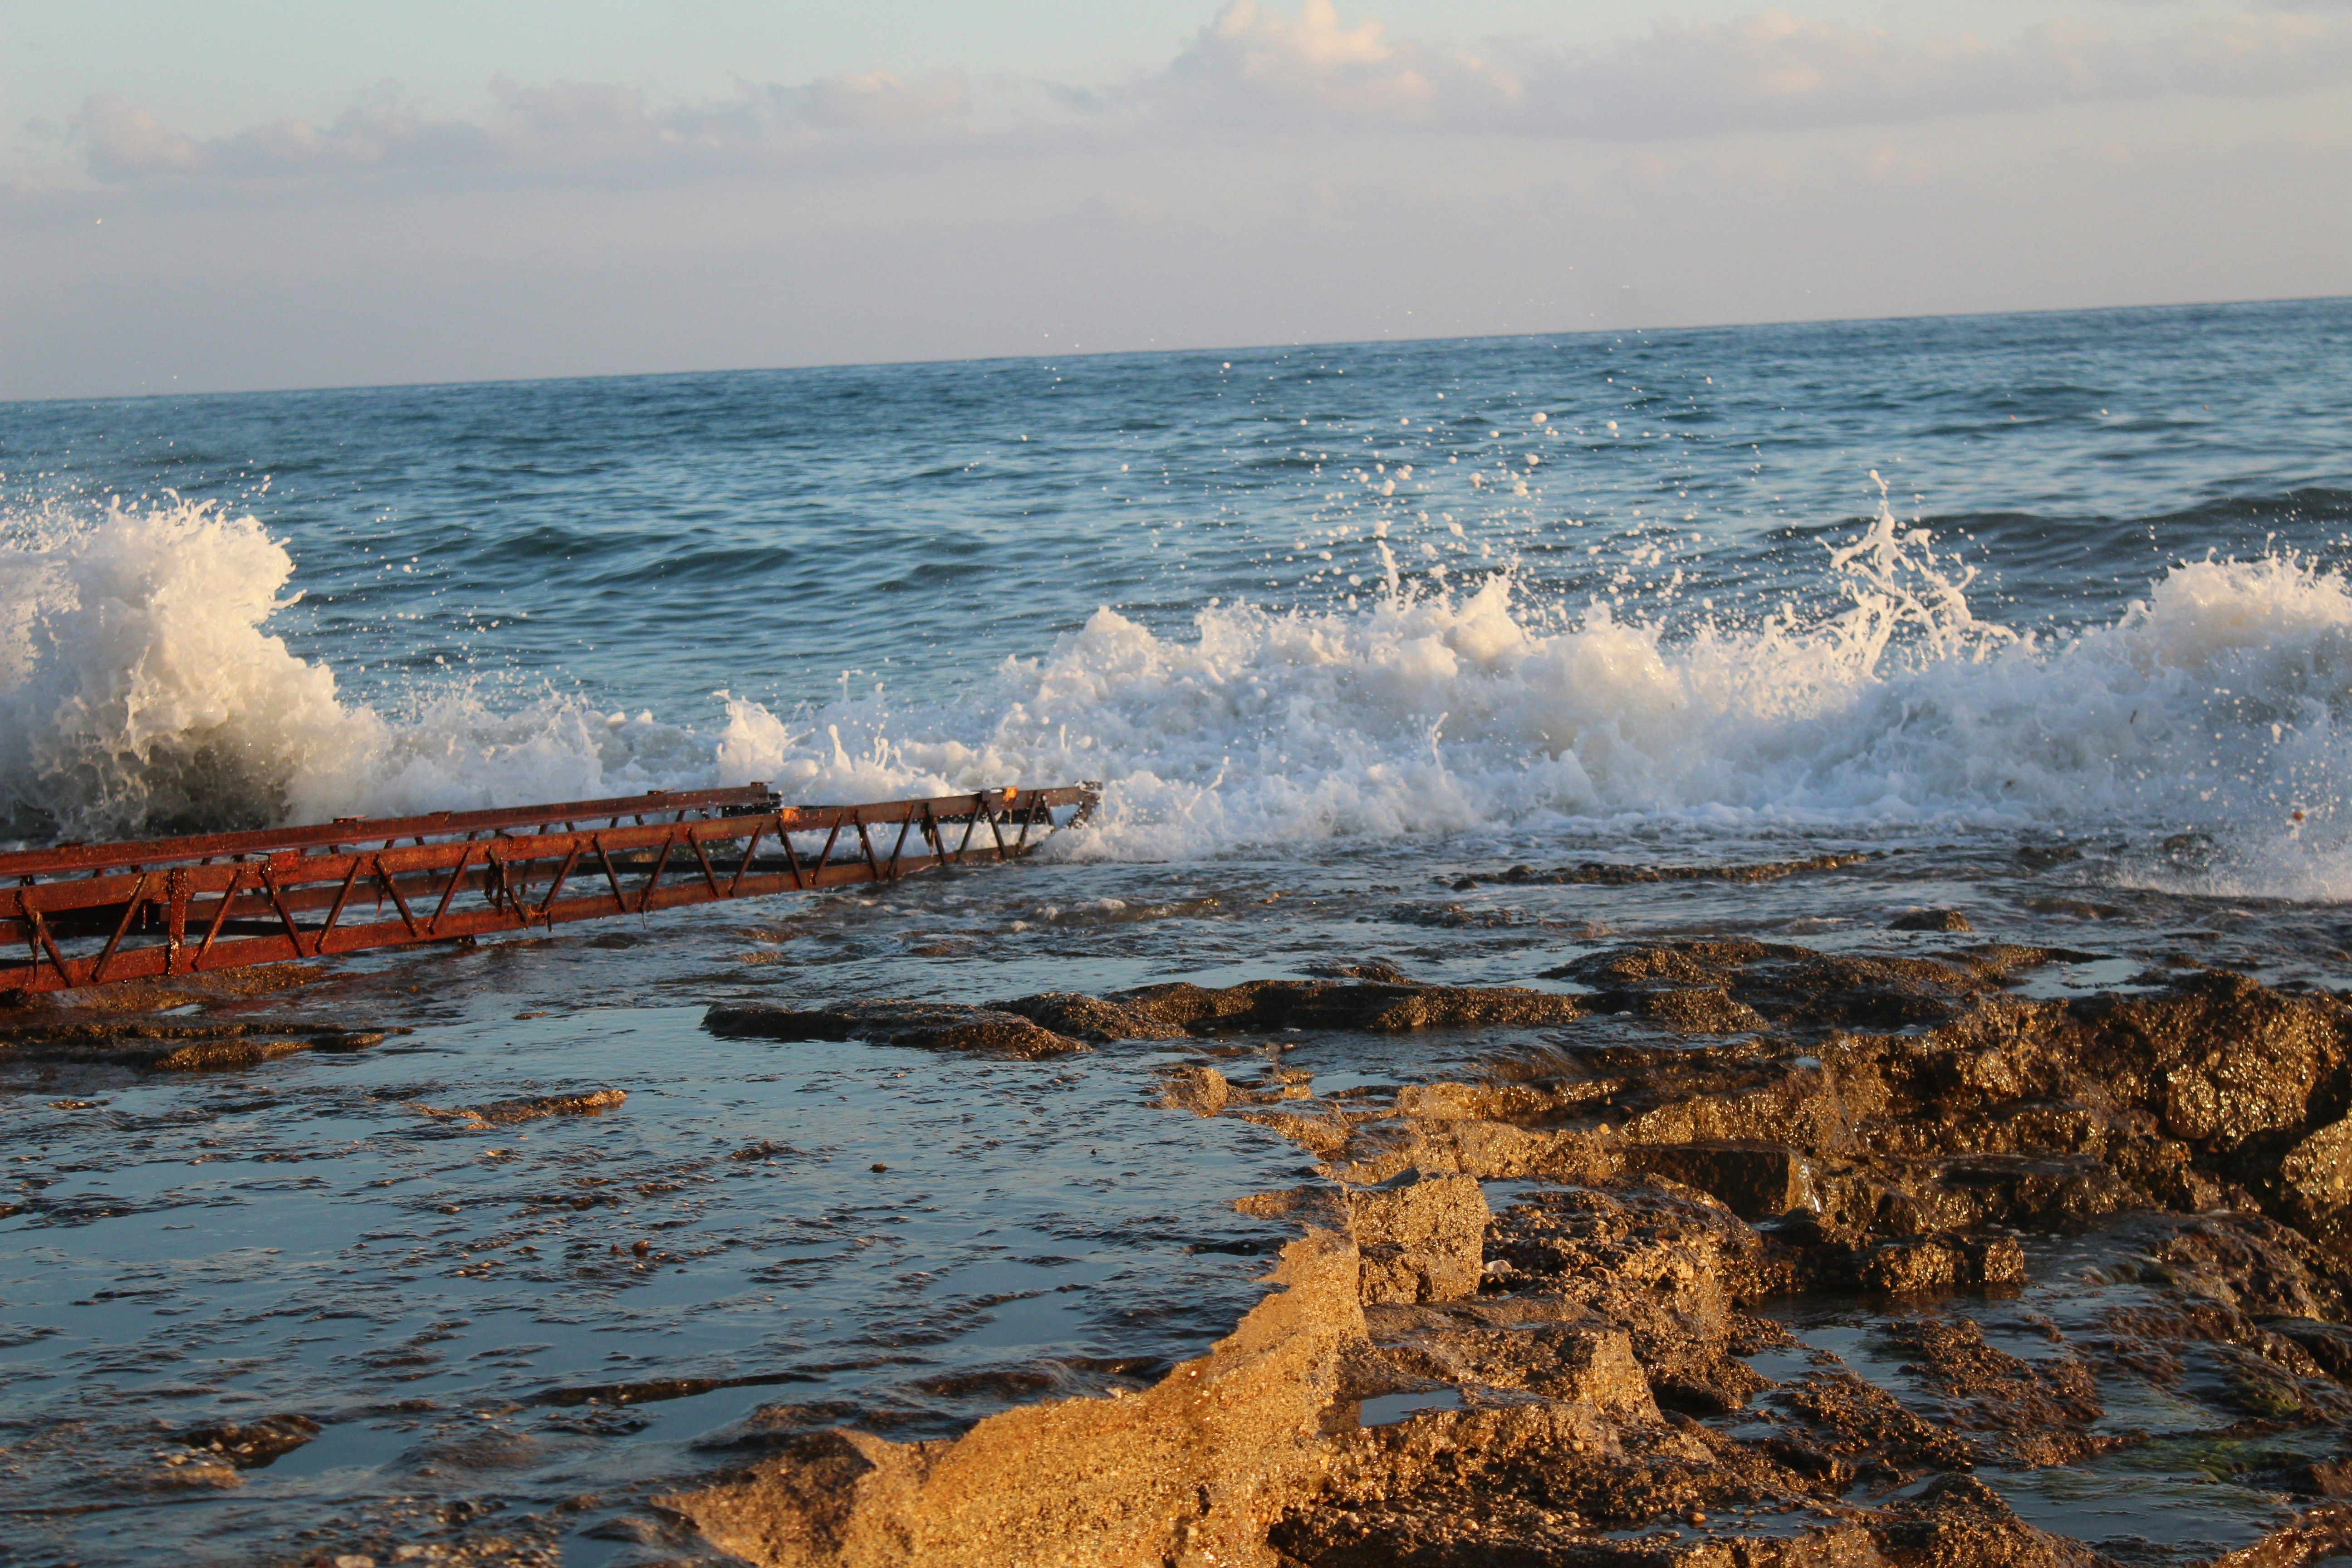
column 236, row 194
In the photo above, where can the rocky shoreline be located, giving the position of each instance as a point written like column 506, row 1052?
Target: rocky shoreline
column 1560, row 1308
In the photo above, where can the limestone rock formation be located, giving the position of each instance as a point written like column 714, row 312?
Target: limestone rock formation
column 1604, row 1369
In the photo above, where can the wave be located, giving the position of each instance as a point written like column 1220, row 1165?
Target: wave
column 140, row 691
column 137, row 688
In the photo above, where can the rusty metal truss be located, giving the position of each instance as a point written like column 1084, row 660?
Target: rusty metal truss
column 90, row 914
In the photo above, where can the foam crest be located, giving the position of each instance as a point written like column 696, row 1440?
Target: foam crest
column 142, row 691
column 137, row 688
column 2216, row 703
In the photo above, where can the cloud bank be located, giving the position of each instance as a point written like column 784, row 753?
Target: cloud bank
column 585, row 127
column 1774, row 71
column 1256, row 69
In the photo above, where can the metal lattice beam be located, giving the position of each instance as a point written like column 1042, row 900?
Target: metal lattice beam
column 90, row 914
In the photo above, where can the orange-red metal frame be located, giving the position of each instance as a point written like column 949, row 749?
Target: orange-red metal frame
column 194, row 905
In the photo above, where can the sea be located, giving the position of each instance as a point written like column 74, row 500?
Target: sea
column 2039, row 618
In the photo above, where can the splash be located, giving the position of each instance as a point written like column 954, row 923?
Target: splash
column 137, row 688
column 142, row 692
column 2215, row 703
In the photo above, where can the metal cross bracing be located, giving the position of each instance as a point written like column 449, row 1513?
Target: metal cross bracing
column 90, row 914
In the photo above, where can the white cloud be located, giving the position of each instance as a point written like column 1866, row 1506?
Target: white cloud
column 1772, row 71
column 599, row 128
column 1255, row 58
column 125, row 142
column 876, row 101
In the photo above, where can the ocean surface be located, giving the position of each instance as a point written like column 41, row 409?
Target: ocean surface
column 2045, row 616
column 2073, row 573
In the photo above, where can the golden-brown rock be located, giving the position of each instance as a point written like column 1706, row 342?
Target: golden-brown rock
column 1421, row 1236
column 1201, row 1463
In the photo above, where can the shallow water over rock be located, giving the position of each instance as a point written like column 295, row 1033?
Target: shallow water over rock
column 520, row 1311
column 519, row 1314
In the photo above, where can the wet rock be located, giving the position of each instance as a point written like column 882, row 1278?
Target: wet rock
column 1198, row 1466
column 2028, row 1413
column 1916, row 1266
column 530, row 1107
column 1699, row 1009
column 2221, row 1060
column 1203, row 1090
column 1475, row 1102
column 1859, row 1423
column 639, row 1530
column 2316, row 1181
column 643, row 1391
column 2318, row 1536
column 1377, row 1007
column 1369, row 1154
column 779, row 1426
column 1985, row 1110
column 1317, row 1205
column 253, row 1445
column 2191, row 849
column 1421, row 1237
column 1379, row 969
column 1790, row 984
column 1555, row 1483
column 1880, row 1131
column 1601, row 873
column 1549, row 1347
column 2076, row 909
column 151, row 1046
column 2320, row 1478
column 190, row 1472
column 1457, row 916
column 1959, row 1521
column 1930, row 920
column 2328, row 1344
column 923, row 1025
column 215, row 1056
column 1667, row 1263
column 2246, row 1262
column 1757, row 1180
column 2224, row 1357
column 1083, row 1017
column 487, row 1448
column 1323, row 1133
column 1694, row 1098
column 126, row 997
column 1975, row 1190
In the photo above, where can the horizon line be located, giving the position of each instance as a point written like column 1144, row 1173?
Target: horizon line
column 1464, row 338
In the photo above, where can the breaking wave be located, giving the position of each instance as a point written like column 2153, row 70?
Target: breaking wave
column 141, row 690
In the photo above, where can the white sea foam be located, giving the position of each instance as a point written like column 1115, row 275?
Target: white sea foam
column 136, row 683
column 138, row 687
